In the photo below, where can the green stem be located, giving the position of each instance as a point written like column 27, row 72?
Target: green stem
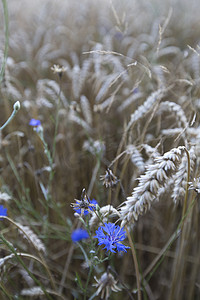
column 5, row 291
column 88, row 279
column 5, row 11
column 16, row 107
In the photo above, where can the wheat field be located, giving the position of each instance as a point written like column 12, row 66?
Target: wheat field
column 99, row 149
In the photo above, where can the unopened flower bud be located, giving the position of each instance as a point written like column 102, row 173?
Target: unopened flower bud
column 16, row 106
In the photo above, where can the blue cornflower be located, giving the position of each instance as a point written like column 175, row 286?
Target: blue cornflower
column 34, row 122
column 136, row 90
column 111, row 235
column 3, row 211
column 91, row 207
column 79, row 234
column 84, row 204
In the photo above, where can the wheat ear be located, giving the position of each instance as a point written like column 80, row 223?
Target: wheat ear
column 155, row 177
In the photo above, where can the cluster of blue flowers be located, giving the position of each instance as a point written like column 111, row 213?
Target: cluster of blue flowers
column 109, row 235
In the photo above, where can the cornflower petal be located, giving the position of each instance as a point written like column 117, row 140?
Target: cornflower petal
column 121, row 247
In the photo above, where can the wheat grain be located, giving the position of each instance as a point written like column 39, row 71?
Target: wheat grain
column 73, row 116
column 136, row 157
column 105, row 87
column 49, row 89
column 3, row 265
column 27, row 278
column 155, row 177
column 180, row 178
column 152, row 152
column 159, row 72
column 76, row 87
column 29, row 235
column 32, row 292
column 5, row 259
column 146, row 106
column 86, row 109
column 173, row 131
column 94, row 147
column 170, row 50
column 195, row 64
column 100, row 107
column 84, row 73
column 130, row 100
column 177, row 111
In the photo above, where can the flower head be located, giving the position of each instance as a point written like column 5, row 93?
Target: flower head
column 109, row 179
column 111, row 235
column 58, row 69
column 3, row 211
column 16, row 106
column 34, row 122
column 37, row 126
column 85, row 204
column 79, row 234
column 105, row 285
column 90, row 208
